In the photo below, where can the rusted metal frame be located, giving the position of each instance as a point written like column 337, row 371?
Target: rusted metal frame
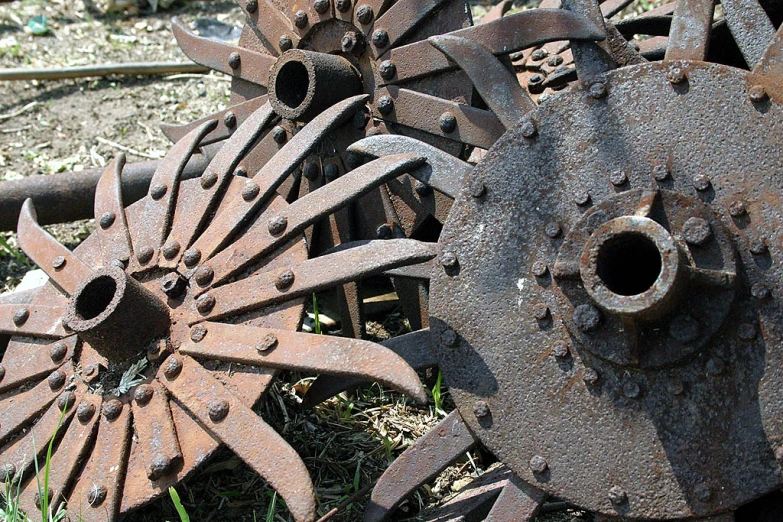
column 273, row 25
column 237, row 426
column 421, row 271
column 429, row 455
column 498, row 87
column 421, row 111
column 100, row 70
column 771, row 63
column 399, row 20
column 63, row 267
column 497, row 12
column 27, row 361
column 41, row 320
column 690, row 30
column 414, row 298
column 590, row 58
column 286, row 350
column 442, row 171
column 504, row 36
column 517, row 502
column 609, row 8
column 98, row 492
column 315, row 274
column 154, row 430
column 229, row 123
column 234, row 213
column 377, row 6
column 415, row 348
column 162, row 197
column 262, row 238
column 112, row 230
column 235, row 61
column 623, row 52
column 215, row 180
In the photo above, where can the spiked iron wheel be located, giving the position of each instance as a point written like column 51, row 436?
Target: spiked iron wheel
column 155, row 362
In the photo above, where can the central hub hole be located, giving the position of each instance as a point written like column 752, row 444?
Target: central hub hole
column 292, row 83
column 629, row 263
column 95, row 297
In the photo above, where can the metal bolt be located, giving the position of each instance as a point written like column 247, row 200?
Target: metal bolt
column 144, row 255
column 364, row 14
column 250, row 191
column 702, row 492
column 598, row 90
column 349, row 41
column 590, row 376
column 66, row 400
column 311, row 170
column 343, row 5
column 205, row 304
column 284, row 280
column 684, row 328
column 535, row 79
column 158, row 191
column 277, row 225
column 540, row 311
column 112, row 409
column 757, row 246
column 448, row 259
column 715, row 366
column 300, row 19
column 56, row 380
column 173, row 285
column 560, row 349
column 234, row 60
column 97, row 494
column 660, row 172
column 267, row 342
column 449, row 337
column 191, row 257
column 553, row 229
column 675, row 386
column 321, row 6
column 481, row 409
column 90, row 371
column 421, row 188
column 675, row 74
column 757, row 94
column 538, row 464
column 529, row 130
column 701, row 182
column 208, row 179
column 696, row 231
column 539, row 269
column 57, row 351
column 387, row 69
column 218, row 410
column 759, row 291
column 143, row 394
column 582, row 198
column 617, row 495
column 198, row 332
column 251, row 6
column 631, row 389
column 107, row 219
column 85, row 411
column 384, row 231
column 539, row 54
column 230, row 119
column 2, row 373
column 746, row 332
column 204, row 275
column 618, row 178
column 555, row 60
column 170, row 249
column 331, row 171
column 380, row 38
column 21, row 315
column 285, row 43
column 447, row 122
column 354, row 161
column 587, row 317
column 58, row 262
column 385, row 105
column 478, row 189
column 737, row 208
column 172, row 368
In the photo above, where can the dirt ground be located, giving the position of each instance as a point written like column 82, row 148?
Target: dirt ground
column 54, row 126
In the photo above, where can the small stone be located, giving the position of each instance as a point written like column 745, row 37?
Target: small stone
column 587, row 317
column 284, row 280
column 481, row 409
column 538, row 464
column 696, row 231
column 218, row 410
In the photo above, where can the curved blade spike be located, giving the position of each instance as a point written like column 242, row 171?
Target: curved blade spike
column 504, row 36
column 156, row 218
column 428, row 456
column 234, row 212
column 21, row 408
column 28, row 361
column 591, row 59
column 154, row 429
column 518, row 502
column 287, row 350
column 241, row 112
column 240, row 429
column 421, row 111
column 313, row 275
column 401, row 19
column 259, row 239
column 48, row 253
column 98, row 492
column 271, row 23
column 215, row 180
column 415, row 348
column 497, row 12
column 771, row 63
column 690, row 30
column 112, row 229
column 494, row 82
column 32, row 320
column 253, row 66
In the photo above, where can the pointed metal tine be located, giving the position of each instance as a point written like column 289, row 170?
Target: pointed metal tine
column 750, row 26
column 225, row 128
column 401, row 19
column 591, row 59
column 154, row 429
column 265, row 18
column 36, row 321
column 31, row 360
column 689, row 35
column 112, row 229
column 771, row 62
column 517, row 502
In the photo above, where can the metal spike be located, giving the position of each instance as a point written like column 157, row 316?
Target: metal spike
column 112, row 229
column 690, row 30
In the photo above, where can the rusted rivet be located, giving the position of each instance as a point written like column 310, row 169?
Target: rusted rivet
column 205, row 303
column 560, row 349
column 191, row 257
column 617, row 495
column 421, row 188
column 538, row 464
column 660, row 172
column 384, row 231
column 218, row 410
column 737, row 208
column 7, row 472
column 385, row 105
column 173, row 285
column 91, row 370
column 267, row 342
column 696, row 231
column 349, row 42
column 112, row 409
column 250, row 191
column 555, row 60
column 481, row 409
column 285, row 43
column 553, row 229
column 251, row 6
column 284, row 280
column 528, row 129
column 701, row 182
column 675, row 74
column 343, row 5
column 702, row 492
column 380, row 38
column 158, row 191
column 675, row 386
column 364, row 14
column 204, row 275
column 240, row 171
column 311, row 170
column 387, row 69
column 757, row 94
column 58, row 263
column 37, row 497
column 598, row 90
column 715, row 366
column 56, row 380
column 2, row 373
column 170, row 249
column 331, row 171
column 85, row 411
column 590, row 376
column 582, row 198
column 631, row 389
column 21, row 315
column 57, row 351
column 618, row 178
column 144, row 255
column 535, row 80
column 448, row 259
column 759, row 291
column 449, row 337
column 539, row 54
column 447, row 122
column 159, row 466
column 66, row 400
column 208, row 179
column 300, row 19
column 172, row 367
column 539, row 269
column 540, row 311
column 587, row 317
column 684, row 328
column 757, row 246
column 747, row 331
column 143, row 394
column 234, row 60
column 107, row 219
column 277, row 225
column 321, row 6
column 198, row 332
column 230, row 119
column 478, row 189
column 96, row 495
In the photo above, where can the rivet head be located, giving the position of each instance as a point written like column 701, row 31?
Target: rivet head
column 234, row 60
column 66, row 400
column 702, row 492
column 364, row 14
column 21, row 315
column 112, row 409
column 560, row 349
column 37, row 497
column 204, row 275
column 582, row 198
column 538, row 464
column 56, row 380
column 218, row 410
column 198, row 332
column 284, row 280
column 173, row 285
column 230, row 119
column 684, row 328
column 631, row 389
column 191, row 257
column 747, row 332
column 144, row 255
column 539, row 54
column 7, row 472
column 385, row 105
column 447, row 122
column 759, row 291
column 277, row 225
column 449, row 337
column 300, row 19
column 159, row 466
column 540, row 311
column 696, row 231
column 267, row 342
column 675, row 386
column 481, row 409
column 737, row 208
column 143, row 394
column 170, row 249
column 757, row 94
column 701, row 182
column 715, row 366
column 660, row 172
column 285, row 43
column 331, row 171
column 107, row 220
column 387, row 69
column 158, row 191
column 172, row 367
column 311, row 170
column 598, row 90
column 208, row 179
column 590, row 376
column 757, row 246
column 57, row 352
column 448, row 259
column 2, row 373
column 251, row 6
column 553, row 229
column 85, row 411
column 380, row 38
column 478, row 189
column 675, row 74
column 555, row 60
column 618, row 178
column 342, row 5
column 58, row 263
column 90, row 371
column 539, row 269
column 529, row 130
column 534, row 80
column 321, row 6
column 205, row 303
column 617, row 495
column 250, row 191
column 96, row 495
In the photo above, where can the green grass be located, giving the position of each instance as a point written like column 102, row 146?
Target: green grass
column 183, row 514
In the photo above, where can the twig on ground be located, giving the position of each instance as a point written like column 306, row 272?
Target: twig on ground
column 125, row 149
column 350, row 500
column 17, row 112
